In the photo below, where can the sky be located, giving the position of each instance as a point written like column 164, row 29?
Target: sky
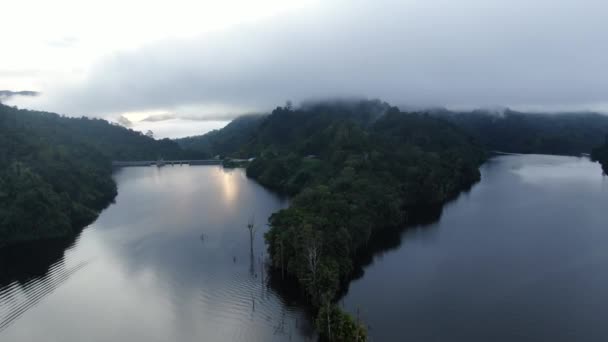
column 192, row 65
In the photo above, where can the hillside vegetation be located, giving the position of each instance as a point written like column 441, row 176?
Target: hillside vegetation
column 230, row 140
column 55, row 172
column 511, row 131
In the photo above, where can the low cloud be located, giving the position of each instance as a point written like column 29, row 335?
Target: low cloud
column 160, row 117
column 64, row 42
column 8, row 94
column 123, row 121
column 540, row 54
column 191, row 117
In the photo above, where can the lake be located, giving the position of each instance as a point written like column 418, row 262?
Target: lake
column 522, row 256
column 169, row 261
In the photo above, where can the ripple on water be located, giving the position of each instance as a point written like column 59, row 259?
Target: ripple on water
column 153, row 277
column 17, row 299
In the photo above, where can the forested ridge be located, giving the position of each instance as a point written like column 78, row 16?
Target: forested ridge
column 504, row 130
column 230, row 140
column 516, row 132
column 55, row 172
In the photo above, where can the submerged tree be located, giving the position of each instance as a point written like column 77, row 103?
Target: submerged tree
column 251, row 227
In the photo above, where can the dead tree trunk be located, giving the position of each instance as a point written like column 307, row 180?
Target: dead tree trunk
column 251, row 227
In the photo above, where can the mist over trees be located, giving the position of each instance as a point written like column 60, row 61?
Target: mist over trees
column 570, row 133
column 516, row 132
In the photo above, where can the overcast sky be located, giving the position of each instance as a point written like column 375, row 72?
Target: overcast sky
column 185, row 60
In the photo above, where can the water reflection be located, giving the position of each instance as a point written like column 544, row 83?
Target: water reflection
column 229, row 187
column 142, row 272
column 521, row 257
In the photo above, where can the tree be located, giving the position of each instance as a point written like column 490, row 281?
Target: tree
column 338, row 326
column 252, row 229
column 60, row 169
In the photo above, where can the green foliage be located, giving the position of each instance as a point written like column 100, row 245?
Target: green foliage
column 230, row 140
column 566, row 133
column 55, row 172
column 29, row 207
column 352, row 170
column 336, row 325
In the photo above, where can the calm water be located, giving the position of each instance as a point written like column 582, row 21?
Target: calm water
column 522, row 257
column 169, row 261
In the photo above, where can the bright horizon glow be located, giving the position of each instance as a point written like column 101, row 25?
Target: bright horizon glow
column 56, row 43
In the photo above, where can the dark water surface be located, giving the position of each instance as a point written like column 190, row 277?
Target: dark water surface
column 523, row 256
column 169, row 261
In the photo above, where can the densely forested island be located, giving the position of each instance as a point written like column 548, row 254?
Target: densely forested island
column 55, row 172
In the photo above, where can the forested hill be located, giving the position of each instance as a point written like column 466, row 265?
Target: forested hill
column 230, row 140
column 55, row 172
column 353, row 169
column 516, row 132
column 506, row 131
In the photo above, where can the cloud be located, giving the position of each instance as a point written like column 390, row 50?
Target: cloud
column 160, row 117
column 8, row 94
column 125, row 122
column 540, row 54
column 18, row 73
column 64, row 42
column 192, row 117
column 177, row 128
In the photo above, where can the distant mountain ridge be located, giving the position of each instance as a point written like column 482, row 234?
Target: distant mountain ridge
column 501, row 129
column 568, row 133
column 226, row 141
